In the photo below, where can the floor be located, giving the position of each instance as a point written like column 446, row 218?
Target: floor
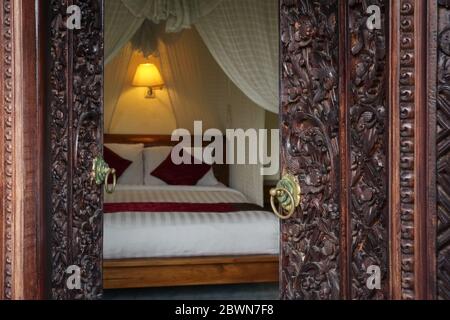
column 224, row 292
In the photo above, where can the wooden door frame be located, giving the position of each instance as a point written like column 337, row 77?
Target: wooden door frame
column 411, row 267
column 22, row 262
column 416, row 149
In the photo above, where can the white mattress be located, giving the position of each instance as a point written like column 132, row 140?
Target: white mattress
column 184, row 234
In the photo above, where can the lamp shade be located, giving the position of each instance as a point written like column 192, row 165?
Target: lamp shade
column 147, row 75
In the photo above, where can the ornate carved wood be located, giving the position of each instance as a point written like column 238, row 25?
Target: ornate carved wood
column 407, row 136
column 368, row 111
column 310, row 147
column 443, row 152
column 412, row 174
column 21, row 227
column 75, row 138
column 7, row 153
column 341, row 229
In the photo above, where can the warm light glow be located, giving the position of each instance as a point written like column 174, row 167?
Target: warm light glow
column 147, row 75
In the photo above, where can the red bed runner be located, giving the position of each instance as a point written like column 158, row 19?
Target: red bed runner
column 178, row 207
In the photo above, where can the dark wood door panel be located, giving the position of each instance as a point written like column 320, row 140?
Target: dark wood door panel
column 75, row 89
column 309, row 112
column 356, row 104
column 367, row 110
column 334, row 116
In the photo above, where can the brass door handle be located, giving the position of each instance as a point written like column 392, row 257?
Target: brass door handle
column 288, row 194
column 101, row 173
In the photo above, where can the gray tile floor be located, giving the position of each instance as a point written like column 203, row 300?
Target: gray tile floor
column 223, row 292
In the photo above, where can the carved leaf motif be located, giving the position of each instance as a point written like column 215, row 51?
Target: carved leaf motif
column 310, row 116
column 368, row 147
column 76, row 59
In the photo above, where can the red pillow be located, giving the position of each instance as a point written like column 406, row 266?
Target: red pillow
column 115, row 161
column 182, row 174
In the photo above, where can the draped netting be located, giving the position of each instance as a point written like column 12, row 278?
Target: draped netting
column 123, row 18
column 242, row 36
column 116, row 69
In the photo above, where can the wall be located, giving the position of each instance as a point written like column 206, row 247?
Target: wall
column 134, row 113
column 244, row 114
column 271, row 122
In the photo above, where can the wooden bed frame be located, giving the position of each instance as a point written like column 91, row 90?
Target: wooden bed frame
column 166, row 272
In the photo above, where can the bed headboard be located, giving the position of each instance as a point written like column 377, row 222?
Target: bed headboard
column 221, row 171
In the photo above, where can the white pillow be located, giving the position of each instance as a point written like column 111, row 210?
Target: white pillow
column 133, row 175
column 154, row 156
column 208, row 180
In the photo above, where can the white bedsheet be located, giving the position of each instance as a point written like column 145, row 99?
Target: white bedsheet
column 183, row 234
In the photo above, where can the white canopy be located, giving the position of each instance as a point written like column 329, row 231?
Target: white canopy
column 241, row 35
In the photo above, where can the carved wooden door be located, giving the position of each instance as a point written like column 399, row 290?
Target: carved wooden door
column 364, row 136
column 74, row 113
